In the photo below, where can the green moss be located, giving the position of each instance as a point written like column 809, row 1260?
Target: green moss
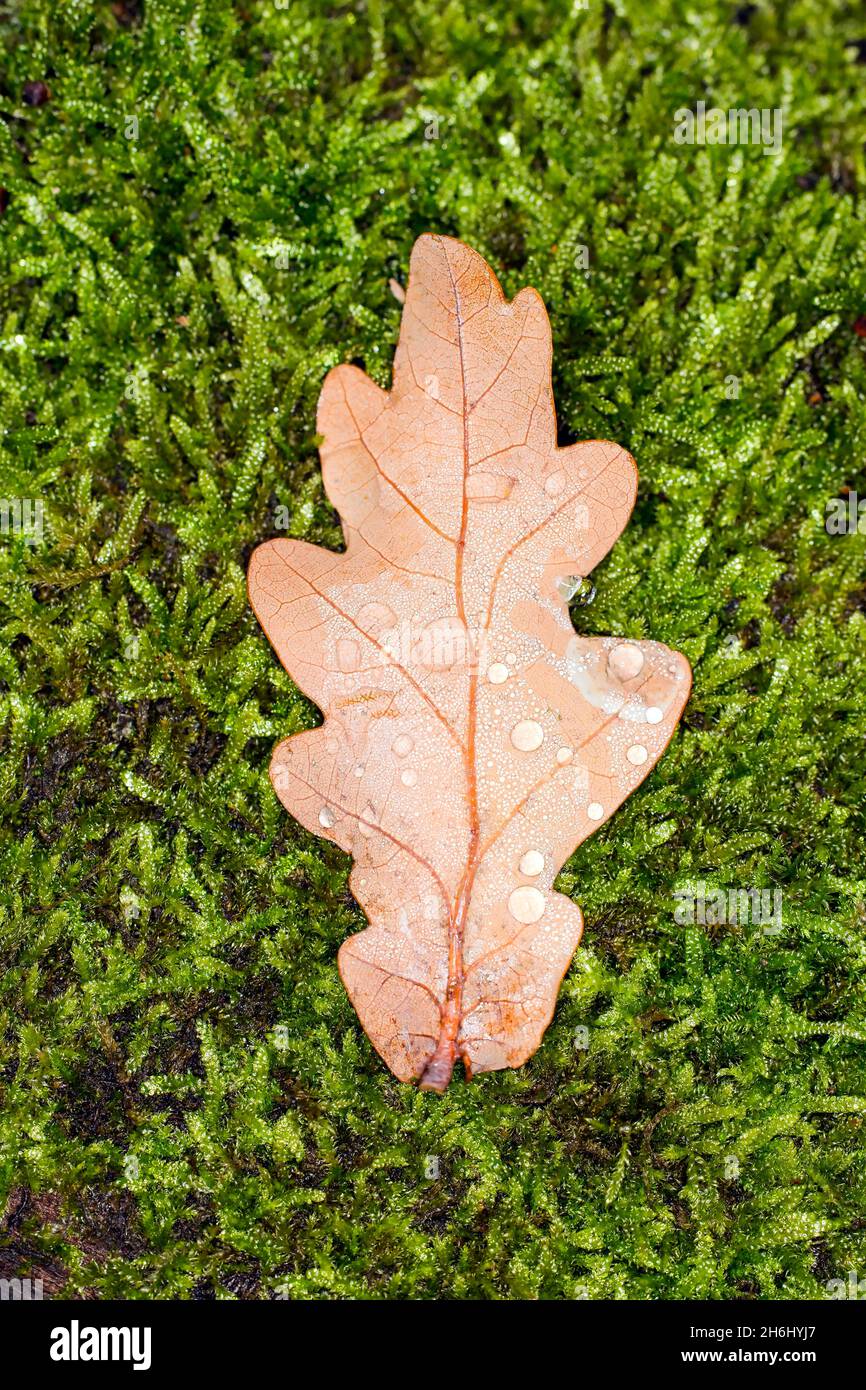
column 189, row 1106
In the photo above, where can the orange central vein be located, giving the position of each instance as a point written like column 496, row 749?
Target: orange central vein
column 437, row 1072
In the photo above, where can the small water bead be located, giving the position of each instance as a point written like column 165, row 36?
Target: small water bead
column 326, row 818
column 532, row 863
column 586, row 593
column 567, row 585
column 637, row 754
column 402, row 745
column 359, row 771
column 409, row 777
column 367, row 821
column 526, row 905
column 625, row 661
column 564, row 755
column 348, row 655
column 488, row 487
column 595, row 810
column 527, row 735
column 375, row 617
column 498, row 673
column 653, row 714
column 554, row 485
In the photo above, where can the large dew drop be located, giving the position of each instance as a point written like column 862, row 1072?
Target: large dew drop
column 526, row 905
column 532, row 863
column 575, row 588
column 625, row 661
column 527, row 735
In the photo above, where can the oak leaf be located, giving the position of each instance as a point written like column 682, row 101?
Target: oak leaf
column 471, row 738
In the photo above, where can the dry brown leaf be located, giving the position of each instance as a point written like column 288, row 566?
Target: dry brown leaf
column 471, row 738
